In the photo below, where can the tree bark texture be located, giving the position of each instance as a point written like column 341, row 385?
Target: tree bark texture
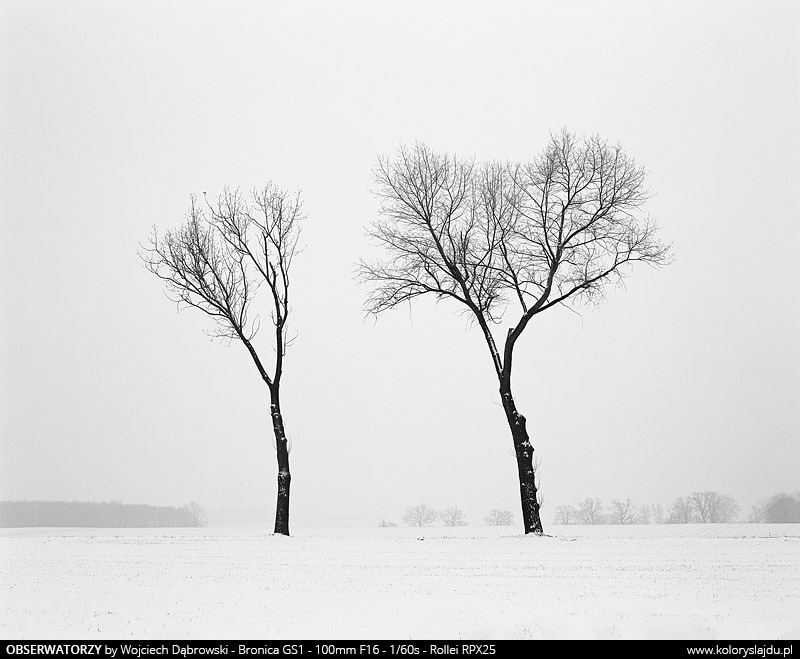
column 284, row 476
column 524, row 452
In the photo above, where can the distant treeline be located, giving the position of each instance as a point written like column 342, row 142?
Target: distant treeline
column 100, row 515
column 705, row 507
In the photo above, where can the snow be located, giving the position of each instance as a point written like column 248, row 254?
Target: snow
column 731, row 581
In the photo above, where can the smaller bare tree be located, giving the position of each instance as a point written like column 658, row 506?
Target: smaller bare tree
column 453, row 516
column 623, row 512
column 499, row 518
column 566, row 515
column 419, row 515
column 659, row 516
column 385, row 525
column 590, row 511
column 645, row 515
column 216, row 262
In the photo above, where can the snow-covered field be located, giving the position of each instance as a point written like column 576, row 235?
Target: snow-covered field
column 672, row 581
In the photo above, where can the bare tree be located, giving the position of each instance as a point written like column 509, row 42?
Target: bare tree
column 590, row 511
column 566, row 515
column 680, row 512
column 486, row 236
column 453, row 516
column 499, row 518
column 713, row 507
column 385, row 525
column 644, row 516
column 419, row 515
column 623, row 512
column 702, row 504
column 216, row 262
column 659, row 515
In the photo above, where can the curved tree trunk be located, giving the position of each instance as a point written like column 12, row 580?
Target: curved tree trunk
column 524, row 452
column 284, row 476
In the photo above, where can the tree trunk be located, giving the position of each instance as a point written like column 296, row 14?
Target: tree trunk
column 524, row 452
column 284, row 477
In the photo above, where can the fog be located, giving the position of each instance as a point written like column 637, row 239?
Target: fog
column 112, row 115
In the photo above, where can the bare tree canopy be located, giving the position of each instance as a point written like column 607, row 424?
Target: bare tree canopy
column 485, row 234
column 216, row 262
column 490, row 236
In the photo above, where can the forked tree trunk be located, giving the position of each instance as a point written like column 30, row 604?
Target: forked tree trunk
column 524, row 452
column 284, row 476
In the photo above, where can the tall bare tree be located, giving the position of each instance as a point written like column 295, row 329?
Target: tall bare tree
column 216, row 262
column 554, row 231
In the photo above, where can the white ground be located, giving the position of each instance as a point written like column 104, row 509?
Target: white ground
column 686, row 582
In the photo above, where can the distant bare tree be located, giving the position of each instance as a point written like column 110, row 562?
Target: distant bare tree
column 644, row 515
column 566, row 515
column 758, row 513
column 713, row 507
column 590, row 511
column 702, row 504
column 623, row 512
column 659, row 516
column 198, row 514
column 499, row 518
column 385, row 525
column 453, row 516
column 782, row 508
column 680, row 512
column 554, row 231
column 216, row 262
column 726, row 511
column 419, row 515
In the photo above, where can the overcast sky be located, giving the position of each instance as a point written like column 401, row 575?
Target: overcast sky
column 114, row 113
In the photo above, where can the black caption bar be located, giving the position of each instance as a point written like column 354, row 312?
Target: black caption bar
column 325, row 649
